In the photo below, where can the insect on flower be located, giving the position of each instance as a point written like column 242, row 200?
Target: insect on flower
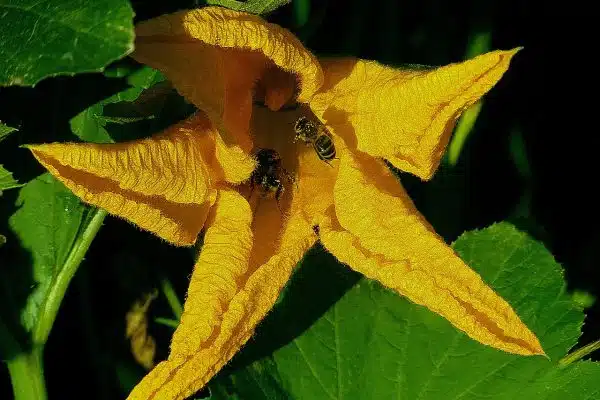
column 191, row 175
column 317, row 135
column 269, row 174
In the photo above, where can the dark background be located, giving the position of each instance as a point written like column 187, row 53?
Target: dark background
column 544, row 182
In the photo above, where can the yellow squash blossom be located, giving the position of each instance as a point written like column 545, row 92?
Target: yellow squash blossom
column 251, row 81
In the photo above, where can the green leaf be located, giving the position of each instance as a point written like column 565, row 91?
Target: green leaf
column 7, row 181
column 250, row 6
column 5, row 131
column 61, row 37
column 46, row 224
column 374, row 344
column 90, row 124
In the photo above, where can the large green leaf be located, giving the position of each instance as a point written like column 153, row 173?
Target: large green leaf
column 250, row 6
column 57, row 37
column 90, row 124
column 44, row 227
column 374, row 344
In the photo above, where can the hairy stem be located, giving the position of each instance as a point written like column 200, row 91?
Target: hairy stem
column 27, row 369
column 61, row 283
column 579, row 353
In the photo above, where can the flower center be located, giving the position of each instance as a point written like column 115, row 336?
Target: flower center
column 296, row 158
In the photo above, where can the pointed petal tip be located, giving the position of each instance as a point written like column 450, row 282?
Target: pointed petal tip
column 40, row 149
column 377, row 231
column 528, row 346
column 507, row 55
column 539, row 351
column 171, row 205
column 32, row 147
column 406, row 116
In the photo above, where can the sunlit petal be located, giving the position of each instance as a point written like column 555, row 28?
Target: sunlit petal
column 228, row 296
column 215, row 57
column 377, row 231
column 164, row 184
column 403, row 115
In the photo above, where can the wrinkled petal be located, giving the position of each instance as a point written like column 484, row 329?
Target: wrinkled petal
column 405, row 116
column 316, row 180
column 164, row 184
column 228, row 296
column 377, row 231
column 215, row 57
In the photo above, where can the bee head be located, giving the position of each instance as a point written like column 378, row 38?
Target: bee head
column 301, row 125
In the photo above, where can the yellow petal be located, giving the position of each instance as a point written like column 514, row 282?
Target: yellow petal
column 227, row 298
column 215, row 57
column 163, row 184
column 377, row 231
column 405, row 116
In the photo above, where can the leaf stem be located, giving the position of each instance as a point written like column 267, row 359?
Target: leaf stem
column 301, row 12
column 464, row 127
column 171, row 323
column 172, row 298
column 478, row 44
column 579, row 354
column 61, row 283
column 27, row 375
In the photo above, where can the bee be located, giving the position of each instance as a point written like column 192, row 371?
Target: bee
column 269, row 173
column 317, row 135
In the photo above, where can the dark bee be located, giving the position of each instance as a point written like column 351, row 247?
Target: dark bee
column 268, row 173
column 317, row 135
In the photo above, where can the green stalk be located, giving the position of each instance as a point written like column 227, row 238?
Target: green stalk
column 479, row 44
column 61, row 283
column 171, row 323
column 579, row 354
column 172, row 298
column 27, row 375
column 27, row 368
column 301, row 12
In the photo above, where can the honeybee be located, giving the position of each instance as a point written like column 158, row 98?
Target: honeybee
column 269, row 173
column 317, row 135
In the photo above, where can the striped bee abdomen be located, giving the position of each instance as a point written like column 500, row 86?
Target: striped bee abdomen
column 324, row 147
